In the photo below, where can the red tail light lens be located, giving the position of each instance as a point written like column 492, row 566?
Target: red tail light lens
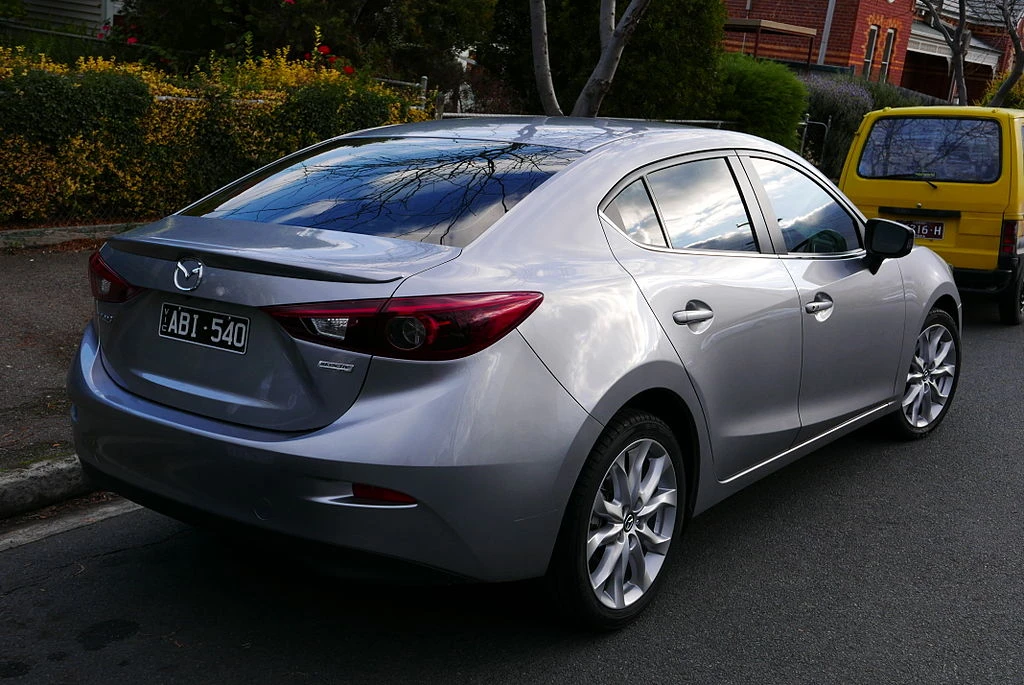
column 107, row 285
column 1010, row 237
column 436, row 327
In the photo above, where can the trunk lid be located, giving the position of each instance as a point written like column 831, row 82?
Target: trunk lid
column 210, row 349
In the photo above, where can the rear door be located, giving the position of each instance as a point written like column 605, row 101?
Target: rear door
column 852, row 319
column 726, row 302
column 948, row 177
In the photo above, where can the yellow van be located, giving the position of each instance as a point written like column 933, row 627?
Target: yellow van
column 954, row 175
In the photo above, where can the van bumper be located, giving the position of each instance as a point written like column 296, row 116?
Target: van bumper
column 989, row 281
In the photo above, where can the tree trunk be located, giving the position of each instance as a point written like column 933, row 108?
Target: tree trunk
column 958, row 41
column 541, row 59
column 592, row 95
column 1017, row 70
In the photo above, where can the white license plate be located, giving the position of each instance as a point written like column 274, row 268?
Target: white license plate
column 929, row 230
column 204, row 327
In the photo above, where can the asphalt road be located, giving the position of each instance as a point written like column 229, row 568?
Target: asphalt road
column 868, row 562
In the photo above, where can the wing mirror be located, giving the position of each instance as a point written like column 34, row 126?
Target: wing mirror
column 887, row 239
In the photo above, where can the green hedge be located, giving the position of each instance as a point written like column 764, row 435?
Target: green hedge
column 763, row 98
column 107, row 142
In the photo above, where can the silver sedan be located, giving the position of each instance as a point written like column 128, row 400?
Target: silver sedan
column 505, row 348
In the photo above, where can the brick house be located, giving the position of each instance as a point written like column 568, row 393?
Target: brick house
column 883, row 40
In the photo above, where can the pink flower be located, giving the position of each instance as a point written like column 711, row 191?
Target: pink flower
column 349, row 70
column 287, row 2
column 132, row 40
column 323, row 49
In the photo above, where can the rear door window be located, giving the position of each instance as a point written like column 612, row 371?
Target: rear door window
column 954, row 149
column 702, row 208
column 632, row 211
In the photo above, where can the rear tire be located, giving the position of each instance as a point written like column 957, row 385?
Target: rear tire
column 932, row 378
column 1011, row 303
column 620, row 531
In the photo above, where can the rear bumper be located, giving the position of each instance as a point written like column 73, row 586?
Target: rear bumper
column 991, row 282
column 489, row 498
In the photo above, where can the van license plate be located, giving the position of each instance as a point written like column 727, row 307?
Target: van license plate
column 203, row 327
column 930, row 230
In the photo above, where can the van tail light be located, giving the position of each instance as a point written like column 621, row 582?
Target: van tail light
column 435, row 327
column 107, row 285
column 1011, row 236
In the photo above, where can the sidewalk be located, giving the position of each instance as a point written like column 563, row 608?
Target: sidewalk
column 48, row 303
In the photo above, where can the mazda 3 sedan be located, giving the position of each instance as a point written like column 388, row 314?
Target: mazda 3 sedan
column 505, row 348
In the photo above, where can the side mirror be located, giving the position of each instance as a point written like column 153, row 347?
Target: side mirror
column 887, row 240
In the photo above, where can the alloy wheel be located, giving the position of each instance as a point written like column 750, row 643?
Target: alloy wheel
column 631, row 523
column 932, row 376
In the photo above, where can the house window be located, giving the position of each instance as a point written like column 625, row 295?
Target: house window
column 869, row 50
column 883, row 70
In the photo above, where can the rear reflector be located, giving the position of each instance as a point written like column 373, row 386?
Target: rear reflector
column 435, row 327
column 107, row 285
column 374, row 494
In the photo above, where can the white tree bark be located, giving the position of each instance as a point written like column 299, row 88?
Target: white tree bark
column 541, row 58
column 589, row 101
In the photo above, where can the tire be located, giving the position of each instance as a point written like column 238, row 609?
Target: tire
column 932, row 378
column 631, row 546
column 1011, row 303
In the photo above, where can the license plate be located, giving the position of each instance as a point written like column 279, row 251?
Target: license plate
column 203, row 327
column 930, row 230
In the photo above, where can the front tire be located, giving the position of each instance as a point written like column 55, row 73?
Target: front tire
column 621, row 528
column 932, row 378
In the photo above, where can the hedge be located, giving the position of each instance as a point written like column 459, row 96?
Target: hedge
column 105, row 141
column 761, row 97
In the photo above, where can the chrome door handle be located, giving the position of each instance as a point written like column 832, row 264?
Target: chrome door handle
column 686, row 316
column 817, row 306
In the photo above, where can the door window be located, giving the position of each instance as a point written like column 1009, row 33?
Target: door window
column 810, row 220
column 633, row 213
column 702, row 208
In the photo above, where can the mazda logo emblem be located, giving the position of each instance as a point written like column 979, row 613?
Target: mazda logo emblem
column 188, row 274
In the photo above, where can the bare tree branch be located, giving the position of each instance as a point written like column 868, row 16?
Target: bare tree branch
column 958, row 41
column 1017, row 70
column 541, row 58
column 607, row 22
column 589, row 101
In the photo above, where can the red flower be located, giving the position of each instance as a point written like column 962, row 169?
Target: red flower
column 132, row 40
column 348, row 69
column 332, row 59
column 323, row 49
column 101, row 35
column 307, row 56
column 287, row 2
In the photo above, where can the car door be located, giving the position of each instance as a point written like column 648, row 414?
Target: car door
column 853, row 318
column 706, row 267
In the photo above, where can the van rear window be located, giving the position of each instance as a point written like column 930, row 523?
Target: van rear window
column 957, row 149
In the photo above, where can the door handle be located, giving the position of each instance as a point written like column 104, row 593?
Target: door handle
column 817, row 306
column 688, row 316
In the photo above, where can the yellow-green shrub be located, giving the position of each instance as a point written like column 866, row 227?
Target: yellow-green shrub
column 109, row 141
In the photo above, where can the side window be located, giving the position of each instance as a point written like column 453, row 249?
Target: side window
column 702, row 207
column 810, row 220
column 632, row 211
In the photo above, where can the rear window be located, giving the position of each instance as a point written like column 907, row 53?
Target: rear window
column 431, row 190
column 958, row 149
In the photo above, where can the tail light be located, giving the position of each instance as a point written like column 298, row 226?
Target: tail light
column 435, row 327
column 107, row 285
column 1010, row 238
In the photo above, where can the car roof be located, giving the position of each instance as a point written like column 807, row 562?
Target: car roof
column 573, row 133
column 948, row 111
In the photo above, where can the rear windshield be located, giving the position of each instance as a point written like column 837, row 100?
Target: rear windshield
column 431, row 190
column 959, row 149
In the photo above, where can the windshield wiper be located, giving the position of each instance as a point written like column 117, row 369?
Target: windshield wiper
column 915, row 176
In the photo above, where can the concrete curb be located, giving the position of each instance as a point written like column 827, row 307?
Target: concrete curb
column 41, row 237
column 40, row 485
